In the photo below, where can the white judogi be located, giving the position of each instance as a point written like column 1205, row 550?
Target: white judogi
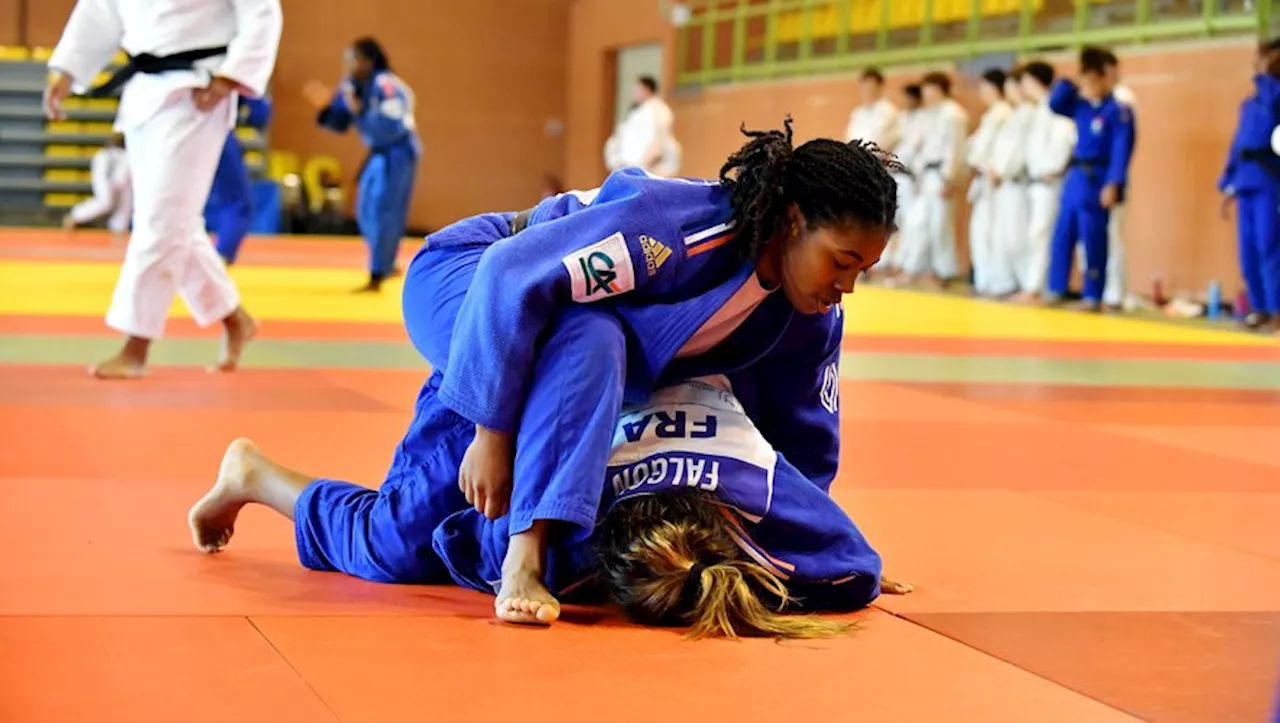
column 646, row 132
column 1008, row 169
column 1050, row 141
column 1113, row 292
column 112, row 191
column 906, row 241
column 981, row 219
column 876, row 122
column 173, row 148
column 942, row 152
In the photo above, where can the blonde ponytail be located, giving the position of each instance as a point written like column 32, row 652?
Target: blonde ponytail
column 652, row 550
column 728, row 606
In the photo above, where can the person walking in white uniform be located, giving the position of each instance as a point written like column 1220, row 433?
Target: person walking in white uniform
column 112, row 191
column 189, row 60
column 1051, row 139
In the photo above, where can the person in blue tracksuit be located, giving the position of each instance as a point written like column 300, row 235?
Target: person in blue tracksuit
column 1096, row 179
column 381, row 107
column 540, row 325
column 230, row 205
column 1251, row 180
column 701, row 524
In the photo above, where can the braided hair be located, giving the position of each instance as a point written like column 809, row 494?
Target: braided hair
column 832, row 183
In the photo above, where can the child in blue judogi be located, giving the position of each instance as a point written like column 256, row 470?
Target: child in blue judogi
column 1251, row 180
column 1096, row 177
column 541, row 325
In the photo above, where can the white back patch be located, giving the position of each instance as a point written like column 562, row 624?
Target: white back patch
column 600, row 271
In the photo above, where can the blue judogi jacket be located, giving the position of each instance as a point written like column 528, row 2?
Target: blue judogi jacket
column 386, row 118
column 659, row 253
column 1252, row 163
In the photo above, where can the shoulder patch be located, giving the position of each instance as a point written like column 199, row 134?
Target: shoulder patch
column 393, row 108
column 656, row 254
column 600, row 271
column 830, row 394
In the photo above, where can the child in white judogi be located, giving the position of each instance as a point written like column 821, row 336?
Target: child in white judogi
column 1007, row 174
column 112, row 191
column 987, row 281
column 944, row 126
column 1051, row 138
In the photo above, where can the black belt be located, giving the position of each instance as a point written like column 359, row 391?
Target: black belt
column 1264, row 157
column 149, row 64
column 520, row 221
column 383, row 150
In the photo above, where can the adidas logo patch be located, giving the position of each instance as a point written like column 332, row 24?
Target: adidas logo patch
column 655, row 253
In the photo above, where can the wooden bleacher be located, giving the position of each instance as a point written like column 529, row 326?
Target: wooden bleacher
column 44, row 165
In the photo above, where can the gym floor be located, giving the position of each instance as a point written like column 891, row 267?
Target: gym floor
column 1086, row 505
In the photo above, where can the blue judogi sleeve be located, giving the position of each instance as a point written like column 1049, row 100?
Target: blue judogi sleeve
column 336, row 116
column 1064, row 98
column 581, row 248
column 795, row 395
column 809, row 541
column 1122, row 139
column 1225, row 182
column 255, row 112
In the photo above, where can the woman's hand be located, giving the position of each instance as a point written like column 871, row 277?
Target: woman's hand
column 317, row 94
column 485, row 474
column 56, row 91
column 218, row 90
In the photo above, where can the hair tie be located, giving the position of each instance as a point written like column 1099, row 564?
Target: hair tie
column 692, row 589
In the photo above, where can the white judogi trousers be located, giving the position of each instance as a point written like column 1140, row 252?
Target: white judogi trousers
column 931, row 229
column 982, row 237
column 1008, row 237
column 1045, row 199
column 1113, row 292
column 173, row 156
column 900, row 244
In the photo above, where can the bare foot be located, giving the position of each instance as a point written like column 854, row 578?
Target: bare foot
column 213, row 518
column 238, row 329
column 893, row 587
column 120, row 366
column 524, row 599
